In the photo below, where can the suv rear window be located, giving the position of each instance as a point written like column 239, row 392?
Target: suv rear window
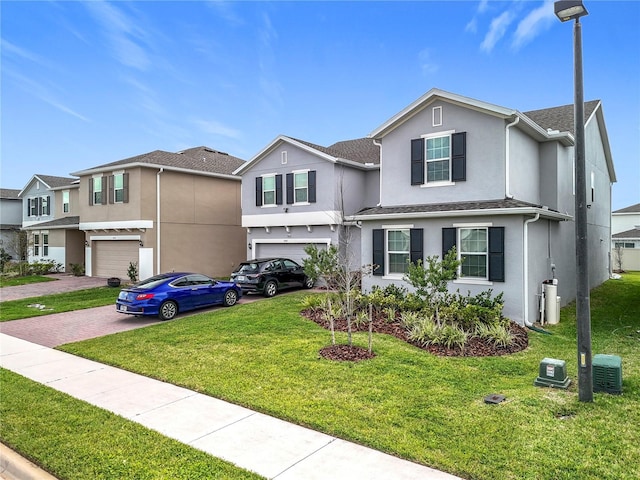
column 248, row 268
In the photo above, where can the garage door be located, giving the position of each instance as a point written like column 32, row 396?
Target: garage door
column 294, row 251
column 112, row 257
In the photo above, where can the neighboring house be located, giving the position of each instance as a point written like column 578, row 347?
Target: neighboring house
column 498, row 185
column 10, row 220
column 295, row 193
column 625, row 241
column 163, row 212
column 51, row 219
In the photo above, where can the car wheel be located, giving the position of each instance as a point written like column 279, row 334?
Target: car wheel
column 270, row 289
column 308, row 282
column 230, row 298
column 168, row 310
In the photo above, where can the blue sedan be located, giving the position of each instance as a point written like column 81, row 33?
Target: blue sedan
column 167, row 294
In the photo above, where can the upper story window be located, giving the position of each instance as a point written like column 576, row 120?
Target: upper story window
column 269, row 190
column 39, row 206
column 301, row 187
column 32, row 207
column 439, row 159
column 65, row 201
column 45, row 208
column 96, row 183
column 118, row 187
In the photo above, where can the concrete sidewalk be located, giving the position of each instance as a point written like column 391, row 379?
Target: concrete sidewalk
column 254, row 441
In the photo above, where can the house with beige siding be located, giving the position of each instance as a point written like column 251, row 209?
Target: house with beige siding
column 162, row 211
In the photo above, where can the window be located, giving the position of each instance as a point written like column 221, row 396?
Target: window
column 481, row 250
column 33, row 207
column 625, row 245
column 394, row 247
column 283, row 157
column 269, row 190
column 36, row 244
column 45, row 244
column 44, row 206
column 65, row 201
column 439, row 159
column 397, row 251
column 97, row 190
column 118, row 188
column 473, row 251
column 301, row 187
column 436, row 114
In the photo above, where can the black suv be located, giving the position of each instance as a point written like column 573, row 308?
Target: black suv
column 270, row 275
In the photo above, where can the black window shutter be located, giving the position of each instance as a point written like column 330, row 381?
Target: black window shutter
column 416, row 244
column 48, row 212
column 91, row 191
column 111, row 188
column 312, row 186
column 279, row 189
column 39, row 206
column 448, row 240
column 258, row 191
column 417, row 161
column 28, row 207
column 496, row 254
column 378, row 251
column 459, row 157
column 289, row 188
column 125, row 188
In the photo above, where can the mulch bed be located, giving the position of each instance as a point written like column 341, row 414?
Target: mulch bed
column 475, row 347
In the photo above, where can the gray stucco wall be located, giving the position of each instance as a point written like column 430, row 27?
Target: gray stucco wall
column 485, row 158
column 37, row 189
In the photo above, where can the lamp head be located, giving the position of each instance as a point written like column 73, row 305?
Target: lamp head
column 569, row 9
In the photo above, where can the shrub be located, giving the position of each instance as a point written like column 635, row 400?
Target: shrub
column 132, row 271
column 77, row 269
column 452, row 336
column 43, row 267
column 312, row 302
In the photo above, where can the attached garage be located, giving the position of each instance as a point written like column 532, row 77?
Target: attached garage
column 293, row 251
column 112, row 257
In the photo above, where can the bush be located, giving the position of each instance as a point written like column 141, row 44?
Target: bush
column 43, row 267
column 77, row 269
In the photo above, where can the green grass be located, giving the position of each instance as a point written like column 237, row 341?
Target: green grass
column 405, row 401
column 13, row 281
column 59, row 302
column 80, row 441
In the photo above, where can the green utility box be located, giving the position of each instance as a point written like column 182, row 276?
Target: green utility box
column 607, row 373
column 553, row 373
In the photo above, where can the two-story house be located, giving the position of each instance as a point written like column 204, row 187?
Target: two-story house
column 162, row 211
column 295, row 193
column 625, row 230
column 51, row 220
column 497, row 184
column 10, row 220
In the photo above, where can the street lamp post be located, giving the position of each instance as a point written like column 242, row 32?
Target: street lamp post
column 572, row 10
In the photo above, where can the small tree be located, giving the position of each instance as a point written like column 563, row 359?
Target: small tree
column 132, row 271
column 618, row 251
column 431, row 277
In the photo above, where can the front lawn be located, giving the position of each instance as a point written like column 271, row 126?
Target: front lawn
column 6, row 281
column 57, row 303
column 406, row 401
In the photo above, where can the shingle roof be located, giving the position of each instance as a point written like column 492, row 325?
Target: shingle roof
column 201, row 159
column 560, row 118
column 360, row 150
column 632, row 209
column 449, row 207
column 633, row 233
column 10, row 193
column 54, row 182
column 72, row 221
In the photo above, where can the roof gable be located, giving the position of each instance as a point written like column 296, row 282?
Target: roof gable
column 49, row 181
column 560, row 119
column 631, row 209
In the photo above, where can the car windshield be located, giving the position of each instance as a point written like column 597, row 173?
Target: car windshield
column 248, row 268
column 151, row 282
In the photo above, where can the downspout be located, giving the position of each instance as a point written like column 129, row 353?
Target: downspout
column 158, row 220
column 379, row 145
column 525, row 269
column 507, row 160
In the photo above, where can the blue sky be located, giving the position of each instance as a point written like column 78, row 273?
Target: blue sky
column 86, row 83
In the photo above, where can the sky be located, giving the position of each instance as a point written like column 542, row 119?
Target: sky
column 87, row 83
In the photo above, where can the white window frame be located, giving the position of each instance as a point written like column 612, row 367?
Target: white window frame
column 388, row 252
column 305, row 188
column 65, row 201
column 264, row 190
column 97, row 194
column 44, row 204
column 436, row 117
column 427, row 138
column 45, row 244
column 36, row 244
column 284, row 157
column 461, row 253
column 117, row 175
column 33, row 207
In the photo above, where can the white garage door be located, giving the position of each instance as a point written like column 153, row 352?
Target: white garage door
column 294, row 251
column 112, row 257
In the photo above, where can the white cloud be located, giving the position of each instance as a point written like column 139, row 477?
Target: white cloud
column 213, row 127
column 497, row 30
column 427, row 65
column 534, row 23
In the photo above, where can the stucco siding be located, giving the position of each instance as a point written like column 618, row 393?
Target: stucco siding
column 525, row 168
